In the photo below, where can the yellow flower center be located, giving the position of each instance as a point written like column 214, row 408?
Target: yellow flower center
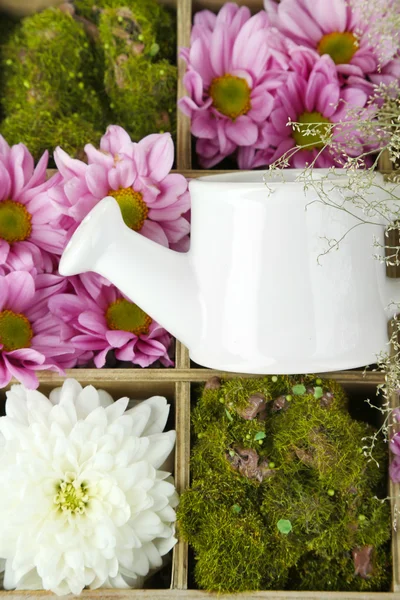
column 341, row 47
column 311, row 130
column 15, row 331
column 15, row 222
column 71, row 497
column 126, row 316
column 133, row 208
column 231, row 95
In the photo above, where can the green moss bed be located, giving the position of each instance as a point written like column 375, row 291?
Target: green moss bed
column 66, row 73
column 283, row 495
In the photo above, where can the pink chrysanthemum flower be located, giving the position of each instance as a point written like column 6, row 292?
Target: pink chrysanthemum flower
column 341, row 30
column 316, row 99
column 30, row 233
column 29, row 335
column 394, row 469
column 152, row 200
column 234, row 65
column 97, row 319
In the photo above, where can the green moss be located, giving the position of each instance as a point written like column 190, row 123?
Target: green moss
column 41, row 131
column 147, row 22
column 230, row 552
column 315, row 572
column 282, row 494
column 49, row 65
column 309, row 437
column 109, row 62
column 7, row 27
column 142, row 92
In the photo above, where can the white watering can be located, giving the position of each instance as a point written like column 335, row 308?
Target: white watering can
column 250, row 295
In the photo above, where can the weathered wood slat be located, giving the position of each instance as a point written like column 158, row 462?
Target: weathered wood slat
column 110, row 377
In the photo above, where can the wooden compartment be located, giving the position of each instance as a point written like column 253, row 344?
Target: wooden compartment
column 175, row 384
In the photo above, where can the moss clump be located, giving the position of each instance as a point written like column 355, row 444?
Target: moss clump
column 92, row 64
column 282, row 494
column 49, row 65
column 146, row 23
column 141, row 85
column 40, row 131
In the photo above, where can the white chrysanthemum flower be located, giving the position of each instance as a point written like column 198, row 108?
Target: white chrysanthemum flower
column 83, row 502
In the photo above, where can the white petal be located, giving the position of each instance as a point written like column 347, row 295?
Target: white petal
column 165, row 545
column 69, row 389
column 161, row 445
column 140, row 415
column 147, row 525
column 158, row 415
column 116, row 410
column 105, row 398
column 141, row 563
column 86, row 401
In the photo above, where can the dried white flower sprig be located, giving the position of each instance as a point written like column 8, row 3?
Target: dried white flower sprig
column 83, row 502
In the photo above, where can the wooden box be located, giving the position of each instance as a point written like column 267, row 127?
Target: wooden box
column 176, row 384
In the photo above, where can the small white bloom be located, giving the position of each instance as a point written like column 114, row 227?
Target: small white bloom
column 84, row 502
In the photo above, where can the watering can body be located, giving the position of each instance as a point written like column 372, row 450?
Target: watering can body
column 258, row 291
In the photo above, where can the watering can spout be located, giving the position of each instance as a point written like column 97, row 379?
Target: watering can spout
column 160, row 281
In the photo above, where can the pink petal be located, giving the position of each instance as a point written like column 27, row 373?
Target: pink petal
column 231, row 16
column 27, row 354
column 100, row 358
column 194, row 86
column 295, row 21
column 328, row 99
column 21, row 290
column 97, row 180
column 88, row 342
column 171, row 212
column 203, row 125
column 261, row 107
column 365, row 61
column 334, row 19
column 42, row 210
column 154, row 232
column 4, row 250
column 250, row 49
column 22, row 166
column 159, row 150
column 93, row 322
column 39, row 174
column 74, row 189
column 235, row 19
column 171, row 188
column 242, row 132
column 200, row 61
column 115, row 140
column 68, row 167
column 209, row 153
column 4, row 149
column 65, row 306
column 5, row 182
column 3, row 292
column 98, row 157
column 205, row 19
column 25, row 376
column 5, row 375
column 122, row 175
column 116, row 338
column 176, row 230
column 48, row 238
column 221, row 50
column 182, row 246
